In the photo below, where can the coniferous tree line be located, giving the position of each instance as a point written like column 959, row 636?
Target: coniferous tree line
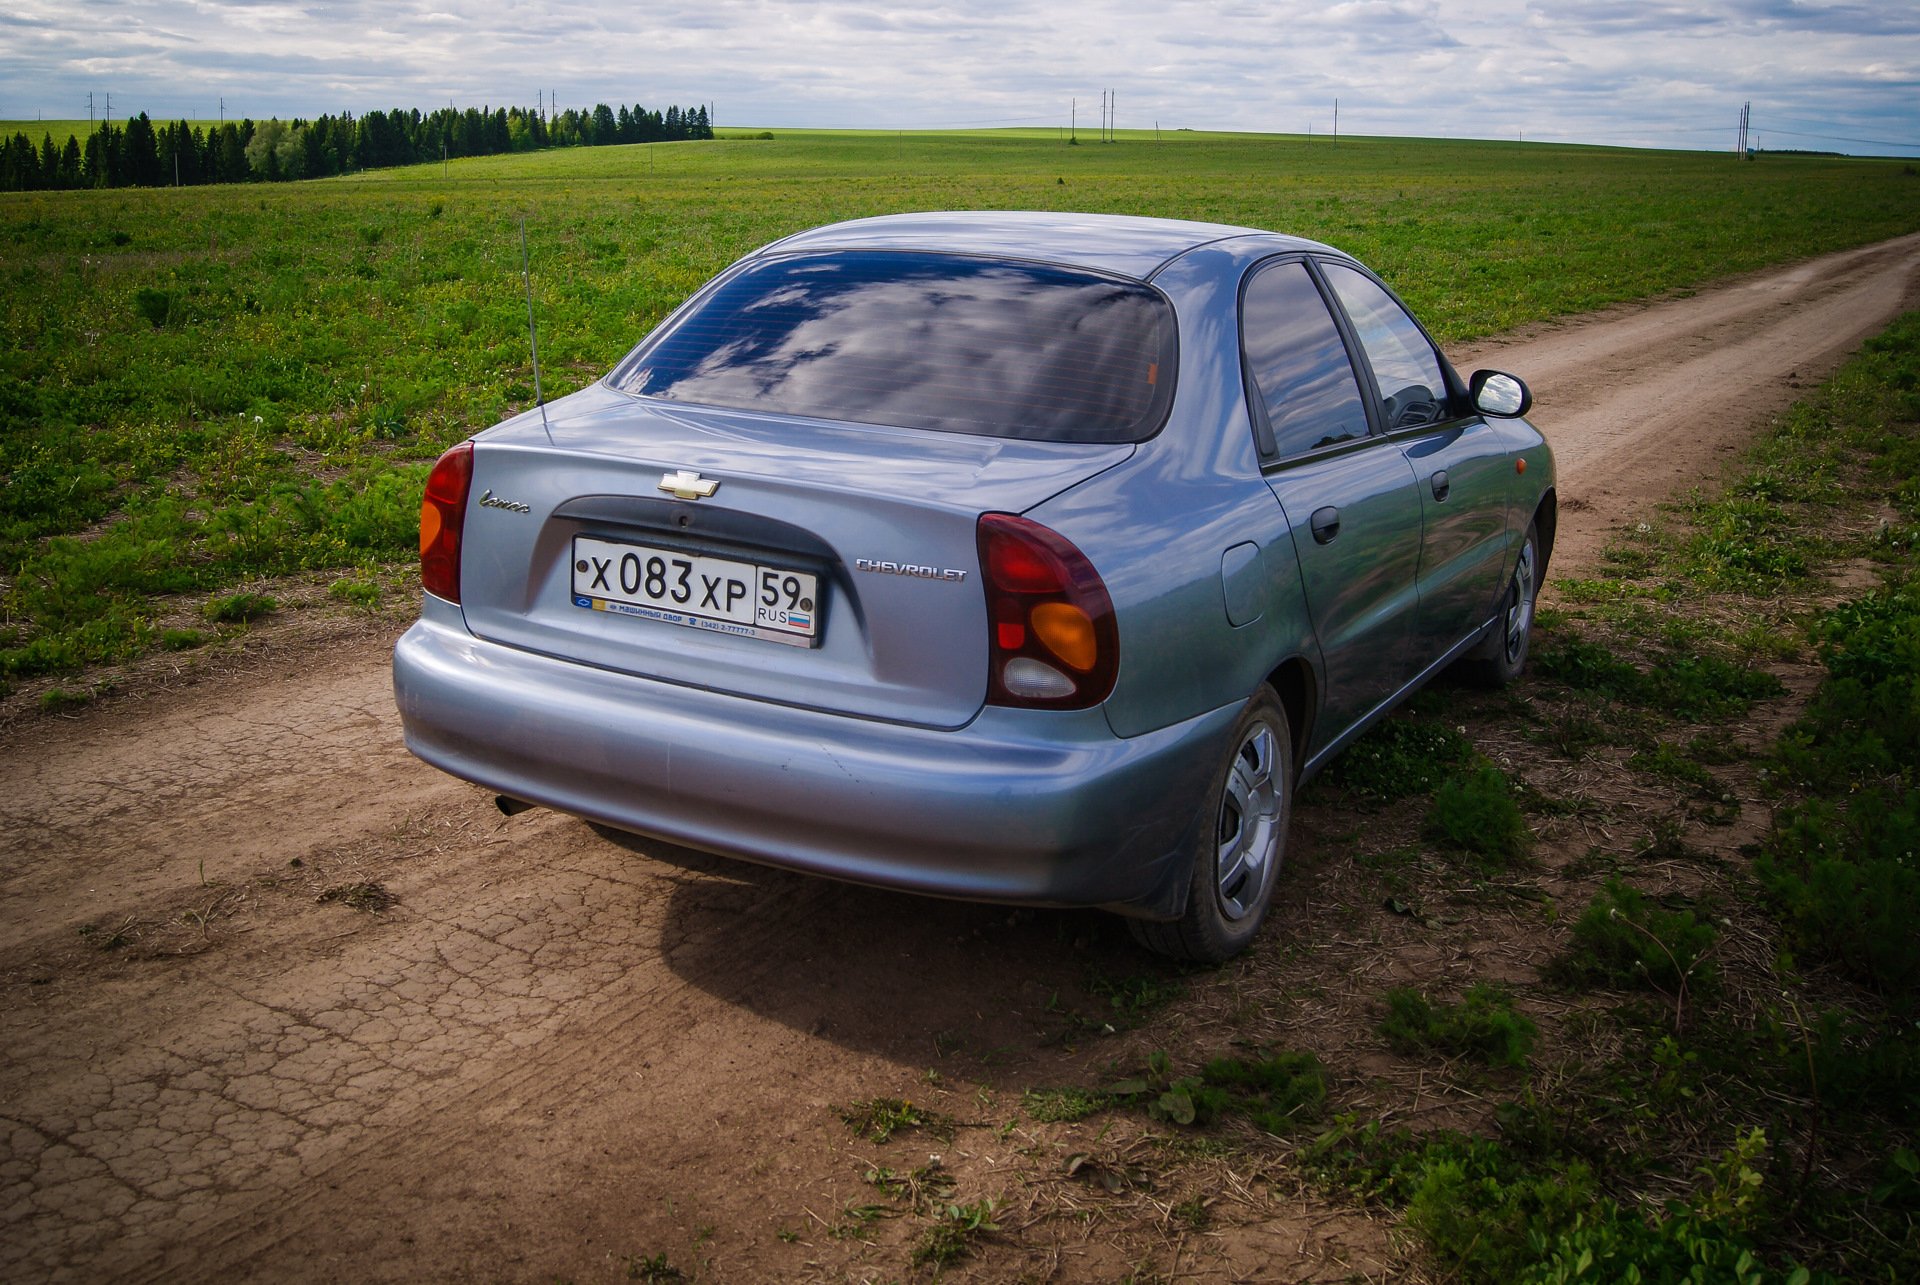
column 143, row 154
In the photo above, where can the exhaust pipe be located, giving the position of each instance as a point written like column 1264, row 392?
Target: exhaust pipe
column 509, row 806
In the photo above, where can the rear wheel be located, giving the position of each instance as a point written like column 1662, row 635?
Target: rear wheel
column 1237, row 854
column 1499, row 660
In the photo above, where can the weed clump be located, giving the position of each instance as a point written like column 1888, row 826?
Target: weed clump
column 1274, row 1094
column 1475, row 813
column 1400, row 758
column 239, row 608
column 154, row 305
column 878, row 1119
column 1623, row 939
column 1490, row 1213
column 1483, row 1025
column 952, row 1236
column 1063, row 1105
column 1691, row 687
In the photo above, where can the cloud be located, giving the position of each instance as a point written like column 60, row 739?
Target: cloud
column 1607, row 71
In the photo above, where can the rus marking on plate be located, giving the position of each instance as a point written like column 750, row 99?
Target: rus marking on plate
column 688, row 485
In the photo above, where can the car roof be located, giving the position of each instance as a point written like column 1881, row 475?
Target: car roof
column 1127, row 245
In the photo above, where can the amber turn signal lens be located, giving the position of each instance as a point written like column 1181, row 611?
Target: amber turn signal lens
column 1520, row 465
column 1067, row 632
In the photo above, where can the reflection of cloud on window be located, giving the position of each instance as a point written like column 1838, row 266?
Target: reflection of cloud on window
column 1403, row 362
column 1299, row 362
column 925, row 341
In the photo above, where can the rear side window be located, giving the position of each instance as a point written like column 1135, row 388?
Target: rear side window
column 942, row 342
column 1298, row 362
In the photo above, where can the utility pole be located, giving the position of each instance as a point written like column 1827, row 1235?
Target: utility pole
column 1073, row 120
column 1746, row 123
column 91, row 124
column 1336, row 122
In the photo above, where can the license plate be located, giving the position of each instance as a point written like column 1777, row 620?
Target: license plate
column 722, row 595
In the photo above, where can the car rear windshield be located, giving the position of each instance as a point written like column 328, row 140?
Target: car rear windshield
column 933, row 341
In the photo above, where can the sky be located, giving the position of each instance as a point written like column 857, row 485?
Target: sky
column 1829, row 76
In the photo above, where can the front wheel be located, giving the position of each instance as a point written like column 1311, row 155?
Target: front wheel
column 1237, row 854
column 1499, row 660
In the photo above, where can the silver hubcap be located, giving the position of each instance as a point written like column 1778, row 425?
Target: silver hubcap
column 1520, row 604
column 1249, row 832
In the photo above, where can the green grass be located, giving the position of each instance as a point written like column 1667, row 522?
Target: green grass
column 1738, row 1099
column 203, row 386
column 1474, row 814
column 1482, row 1025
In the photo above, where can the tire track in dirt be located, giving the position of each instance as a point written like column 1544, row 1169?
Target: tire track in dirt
column 560, row 1048
column 1642, row 404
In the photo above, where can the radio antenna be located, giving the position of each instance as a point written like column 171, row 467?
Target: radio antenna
column 533, row 336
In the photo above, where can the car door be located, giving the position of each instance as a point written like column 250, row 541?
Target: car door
column 1462, row 465
column 1347, row 493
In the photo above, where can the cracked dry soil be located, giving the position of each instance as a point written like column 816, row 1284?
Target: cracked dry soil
column 545, row 1051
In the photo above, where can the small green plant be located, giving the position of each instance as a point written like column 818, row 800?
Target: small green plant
column 953, row 1235
column 928, row 1184
column 361, row 593
column 1063, row 1105
column 182, row 639
column 1399, row 758
column 855, row 1219
column 239, row 608
column 154, row 305
column 1624, row 939
column 654, row 1270
column 1275, row 1094
column 1132, row 999
column 1668, row 763
column 1482, row 1025
column 878, row 1119
column 56, row 699
column 1475, row 813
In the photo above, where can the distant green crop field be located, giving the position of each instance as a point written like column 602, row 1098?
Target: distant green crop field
column 201, row 387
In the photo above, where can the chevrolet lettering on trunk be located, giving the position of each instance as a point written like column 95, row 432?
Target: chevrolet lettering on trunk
column 909, row 569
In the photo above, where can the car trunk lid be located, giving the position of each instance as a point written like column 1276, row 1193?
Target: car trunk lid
column 591, row 535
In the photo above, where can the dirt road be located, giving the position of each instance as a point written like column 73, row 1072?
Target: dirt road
column 282, row 1003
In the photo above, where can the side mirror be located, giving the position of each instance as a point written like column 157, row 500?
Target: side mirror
column 1496, row 393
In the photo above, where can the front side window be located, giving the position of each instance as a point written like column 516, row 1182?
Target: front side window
column 1412, row 390
column 1298, row 362
column 931, row 341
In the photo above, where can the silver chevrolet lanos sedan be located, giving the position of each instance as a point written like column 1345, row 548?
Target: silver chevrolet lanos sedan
column 1014, row 557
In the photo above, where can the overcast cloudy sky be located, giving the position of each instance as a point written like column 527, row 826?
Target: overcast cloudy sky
column 1840, row 76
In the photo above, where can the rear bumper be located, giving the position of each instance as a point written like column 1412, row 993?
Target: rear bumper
column 1022, row 806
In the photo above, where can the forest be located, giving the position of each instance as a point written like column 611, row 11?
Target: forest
column 177, row 154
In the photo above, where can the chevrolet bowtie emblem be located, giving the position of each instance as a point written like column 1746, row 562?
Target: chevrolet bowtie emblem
column 688, row 485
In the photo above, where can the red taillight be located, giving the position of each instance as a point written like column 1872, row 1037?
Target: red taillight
column 442, row 511
column 1053, row 641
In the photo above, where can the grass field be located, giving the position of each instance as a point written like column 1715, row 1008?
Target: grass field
column 203, row 388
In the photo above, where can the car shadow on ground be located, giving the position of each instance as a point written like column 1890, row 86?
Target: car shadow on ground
column 912, row 978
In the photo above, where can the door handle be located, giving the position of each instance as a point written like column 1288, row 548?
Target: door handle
column 1441, row 485
column 1326, row 524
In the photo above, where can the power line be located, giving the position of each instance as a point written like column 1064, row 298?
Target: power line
column 1842, row 138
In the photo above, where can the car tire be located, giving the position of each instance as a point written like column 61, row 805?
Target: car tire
column 1499, row 660
column 1240, row 842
